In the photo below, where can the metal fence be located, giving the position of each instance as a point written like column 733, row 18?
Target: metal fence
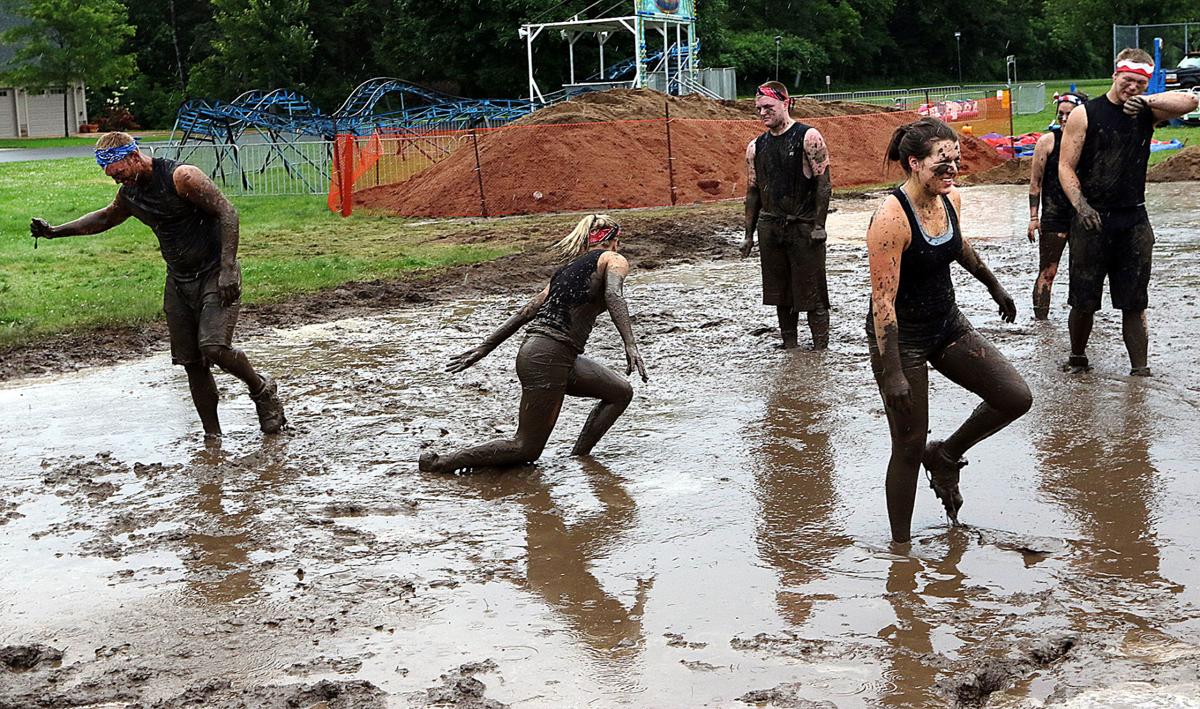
column 1029, row 98
column 1178, row 38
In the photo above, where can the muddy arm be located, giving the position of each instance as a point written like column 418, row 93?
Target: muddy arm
column 615, row 271
column 753, row 201
column 1068, row 160
column 1164, row 106
column 887, row 238
column 817, row 154
column 1041, row 152
column 518, row 320
column 194, row 186
column 91, row 223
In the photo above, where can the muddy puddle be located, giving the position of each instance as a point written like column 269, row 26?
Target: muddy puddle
column 726, row 546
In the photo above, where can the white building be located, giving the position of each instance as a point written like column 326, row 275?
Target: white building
column 38, row 112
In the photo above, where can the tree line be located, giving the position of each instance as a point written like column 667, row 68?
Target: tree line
column 147, row 56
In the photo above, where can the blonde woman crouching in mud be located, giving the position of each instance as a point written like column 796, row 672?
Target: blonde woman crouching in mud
column 913, row 321
column 550, row 363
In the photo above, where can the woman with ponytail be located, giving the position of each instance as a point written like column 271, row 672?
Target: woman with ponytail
column 913, row 321
column 550, row 363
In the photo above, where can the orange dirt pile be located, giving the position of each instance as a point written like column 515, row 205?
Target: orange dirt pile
column 640, row 104
column 1182, row 167
column 594, row 165
column 1011, row 172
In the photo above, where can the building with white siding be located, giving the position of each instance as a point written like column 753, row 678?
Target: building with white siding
column 33, row 113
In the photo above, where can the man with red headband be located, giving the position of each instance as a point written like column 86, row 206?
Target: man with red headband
column 1050, row 228
column 1102, row 168
column 787, row 199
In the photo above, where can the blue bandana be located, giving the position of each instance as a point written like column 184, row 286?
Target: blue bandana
column 108, row 156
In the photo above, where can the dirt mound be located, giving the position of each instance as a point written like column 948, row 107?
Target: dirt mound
column 614, row 165
column 1011, row 172
column 1183, row 167
column 643, row 104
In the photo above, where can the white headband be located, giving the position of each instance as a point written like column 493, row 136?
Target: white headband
column 1136, row 67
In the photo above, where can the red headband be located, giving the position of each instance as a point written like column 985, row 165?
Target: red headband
column 1139, row 68
column 772, row 92
column 1069, row 98
column 601, row 234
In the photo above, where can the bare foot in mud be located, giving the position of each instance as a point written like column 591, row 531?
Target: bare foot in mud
column 1140, row 372
column 1077, row 364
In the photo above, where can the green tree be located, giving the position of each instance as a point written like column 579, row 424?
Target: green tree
column 61, row 42
column 257, row 44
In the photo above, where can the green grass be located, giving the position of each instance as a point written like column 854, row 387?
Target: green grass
column 74, row 140
column 289, row 245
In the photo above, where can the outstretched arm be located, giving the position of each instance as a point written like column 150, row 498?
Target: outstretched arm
column 194, row 186
column 465, row 359
column 969, row 259
column 615, row 271
column 753, row 201
column 887, row 238
column 91, row 223
column 817, row 155
column 1041, row 151
column 1164, row 106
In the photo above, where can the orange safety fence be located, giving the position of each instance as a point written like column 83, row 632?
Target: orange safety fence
column 352, row 157
column 522, row 169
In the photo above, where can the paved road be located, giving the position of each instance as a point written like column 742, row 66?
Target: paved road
column 23, row 154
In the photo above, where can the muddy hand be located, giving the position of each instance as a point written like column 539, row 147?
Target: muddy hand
column 633, row 360
column 1008, row 309
column 819, row 234
column 1136, row 105
column 40, row 229
column 897, row 395
column 461, row 361
column 747, row 245
column 229, row 286
column 1034, row 225
column 1088, row 217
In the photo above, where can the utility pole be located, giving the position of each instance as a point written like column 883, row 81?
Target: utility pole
column 958, row 51
column 778, row 41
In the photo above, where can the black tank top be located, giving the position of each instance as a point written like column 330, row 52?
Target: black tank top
column 1052, row 191
column 576, row 298
column 1116, row 148
column 188, row 238
column 926, row 291
column 779, row 170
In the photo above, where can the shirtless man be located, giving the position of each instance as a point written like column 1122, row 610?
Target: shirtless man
column 787, row 200
column 197, row 230
column 1050, row 228
column 1102, row 168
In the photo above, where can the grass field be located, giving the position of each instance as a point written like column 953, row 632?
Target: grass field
column 73, row 140
column 289, row 245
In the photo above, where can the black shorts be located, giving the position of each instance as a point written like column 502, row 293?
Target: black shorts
column 1056, row 216
column 919, row 341
column 196, row 318
column 545, row 363
column 793, row 266
column 1122, row 251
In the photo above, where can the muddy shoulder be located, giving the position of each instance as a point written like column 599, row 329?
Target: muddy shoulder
column 652, row 239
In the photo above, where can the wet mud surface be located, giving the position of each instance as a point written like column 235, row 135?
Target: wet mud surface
column 726, row 545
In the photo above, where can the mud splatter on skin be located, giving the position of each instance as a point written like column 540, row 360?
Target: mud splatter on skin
column 739, row 497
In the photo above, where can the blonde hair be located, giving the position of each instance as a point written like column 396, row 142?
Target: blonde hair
column 576, row 242
column 1140, row 56
column 113, row 140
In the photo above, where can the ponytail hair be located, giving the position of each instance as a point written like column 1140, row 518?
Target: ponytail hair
column 579, row 239
column 916, row 139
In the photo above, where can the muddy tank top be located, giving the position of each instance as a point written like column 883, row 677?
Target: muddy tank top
column 576, row 298
column 779, row 170
column 1116, row 149
column 188, row 238
column 1052, row 191
column 925, row 291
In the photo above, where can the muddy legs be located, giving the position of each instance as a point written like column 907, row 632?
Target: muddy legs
column 1136, row 333
column 539, row 413
column 596, row 381
column 204, row 396
column 789, row 327
column 789, row 322
column 818, row 325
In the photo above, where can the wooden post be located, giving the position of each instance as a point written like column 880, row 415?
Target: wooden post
column 479, row 174
column 670, row 155
column 347, row 170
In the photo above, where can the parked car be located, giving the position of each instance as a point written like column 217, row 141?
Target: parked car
column 1186, row 75
column 1193, row 118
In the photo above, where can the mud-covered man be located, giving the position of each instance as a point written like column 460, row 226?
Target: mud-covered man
column 787, row 199
column 1102, row 168
column 197, row 230
column 1050, row 227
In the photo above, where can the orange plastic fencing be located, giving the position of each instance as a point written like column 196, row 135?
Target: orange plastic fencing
column 352, row 158
column 522, row 169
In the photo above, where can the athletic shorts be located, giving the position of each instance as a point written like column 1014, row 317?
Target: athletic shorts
column 196, row 317
column 920, row 340
column 1056, row 216
column 793, row 266
column 545, row 363
column 1122, row 251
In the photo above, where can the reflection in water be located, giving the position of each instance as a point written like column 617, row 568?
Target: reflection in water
column 1095, row 456
column 909, row 638
column 797, row 533
column 560, row 557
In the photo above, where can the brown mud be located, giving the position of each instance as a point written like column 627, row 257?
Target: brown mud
column 726, row 545
column 1183, row 166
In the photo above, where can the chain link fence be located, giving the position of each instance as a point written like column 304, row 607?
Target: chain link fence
column 1178, row 38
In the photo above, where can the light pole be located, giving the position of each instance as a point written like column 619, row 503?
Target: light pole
column 958, row 51
column 778, row 41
